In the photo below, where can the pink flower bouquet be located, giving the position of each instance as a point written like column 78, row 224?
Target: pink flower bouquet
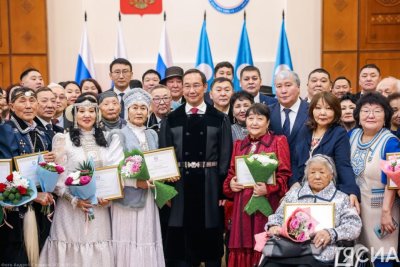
column 299, row 226
column 391, row 168
column 48, row 173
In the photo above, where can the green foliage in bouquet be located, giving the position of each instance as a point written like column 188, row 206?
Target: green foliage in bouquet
column 133, row 166
column 261, row 167
column 86, row 168
column 163, row 193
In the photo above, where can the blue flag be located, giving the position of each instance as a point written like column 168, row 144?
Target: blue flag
column 204, row 61
column 85, row 65
column 283, row 60
column 164, row 57
column 244, row 57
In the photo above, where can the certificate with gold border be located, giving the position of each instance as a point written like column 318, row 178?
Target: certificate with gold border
column 26, row 165
column 391, row 184
column 324, row 213
column 5, row 169
column 161, row 163
column 244, row 176
column 108, row 183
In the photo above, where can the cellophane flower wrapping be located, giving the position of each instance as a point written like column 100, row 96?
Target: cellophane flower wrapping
column 133, row 166
column 48, row 174
column 82, row 184
column 391, row 167
column 17, row 190
column 261, row 167
column 299, row 226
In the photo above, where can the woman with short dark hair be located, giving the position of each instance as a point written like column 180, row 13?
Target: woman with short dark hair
column 324, row 135
column 348, row 104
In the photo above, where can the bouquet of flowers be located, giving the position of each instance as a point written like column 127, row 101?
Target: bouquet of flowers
column 133, row 166
column 300, row 225
column 17, row 191
column 82, row 185
column 391, row 168
column 261, row 167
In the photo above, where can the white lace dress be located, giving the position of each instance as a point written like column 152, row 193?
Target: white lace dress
column 72, row 241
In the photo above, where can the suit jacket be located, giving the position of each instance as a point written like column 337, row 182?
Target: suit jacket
column 336, row 144
column 50, row 133
column 267, row 100
column 299, row 123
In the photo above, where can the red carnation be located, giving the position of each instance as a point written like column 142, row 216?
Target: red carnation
column 22, row 190
column 10, row 178
column 59, row 169
column 42, row 164
column 2, row 187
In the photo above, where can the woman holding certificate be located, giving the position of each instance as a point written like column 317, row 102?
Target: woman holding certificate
column 245, row 226
column 20, row 136
column 73, row 239
column 370, row 143
column 136, row 227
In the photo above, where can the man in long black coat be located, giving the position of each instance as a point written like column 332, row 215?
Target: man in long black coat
column 202, row 139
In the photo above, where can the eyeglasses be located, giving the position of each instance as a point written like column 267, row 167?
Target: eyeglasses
column 158, row 100
column 119, row 72
column 194, row 86
column 375, row 112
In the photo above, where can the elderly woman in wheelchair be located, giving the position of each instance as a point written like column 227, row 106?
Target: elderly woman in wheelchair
column 321, row 247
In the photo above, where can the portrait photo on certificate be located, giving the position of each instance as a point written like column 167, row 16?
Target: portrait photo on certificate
column 26, row 165
column 108, row 183
column 244, row 176
column 5, row 169
column 161, row 163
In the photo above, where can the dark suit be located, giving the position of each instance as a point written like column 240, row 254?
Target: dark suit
column 267, row 100
column 298, row 124
column 50, row 133
column 336, row 144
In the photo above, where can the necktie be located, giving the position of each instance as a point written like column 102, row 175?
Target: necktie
column 286, row 124
column 122, row 113
column 194, row 110
column 49, row 127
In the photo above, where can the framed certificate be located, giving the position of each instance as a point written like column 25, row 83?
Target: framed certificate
column 323, row 213
column 108, row 183
column 161, row 163
column 244, row 176
column 5, row 169
column 26, row 165
column 391, row 184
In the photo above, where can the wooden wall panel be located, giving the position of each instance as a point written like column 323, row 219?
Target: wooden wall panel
column 379, row 24
column 340, row 25
column 28, row 26
column 342, row 64
column 5, row 71
column 4, row 43
column 20, row 63
column 389, row 62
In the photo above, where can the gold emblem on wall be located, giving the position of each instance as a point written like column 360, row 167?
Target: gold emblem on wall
column 141, row 4
column 388, row 2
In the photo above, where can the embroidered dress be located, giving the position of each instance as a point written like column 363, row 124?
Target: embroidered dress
column 136, row 231
column 72, row 241
column 365, row 159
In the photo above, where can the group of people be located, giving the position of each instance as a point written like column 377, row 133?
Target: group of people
column 329, row 146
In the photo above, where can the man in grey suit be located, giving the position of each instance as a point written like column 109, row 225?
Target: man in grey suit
column 290, row 114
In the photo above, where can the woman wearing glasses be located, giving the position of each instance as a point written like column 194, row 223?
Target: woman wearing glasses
column 369, row 144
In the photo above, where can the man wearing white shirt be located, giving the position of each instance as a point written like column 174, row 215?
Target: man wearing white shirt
column 202, row 139
column 293, row 112
column 160, row 106
column 121, row 74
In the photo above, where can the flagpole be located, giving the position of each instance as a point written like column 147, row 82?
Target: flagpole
column 165, row 16
column 205, row 15
column 119, row 16
column 85, row 17
column 244, row 15
column 283, row 14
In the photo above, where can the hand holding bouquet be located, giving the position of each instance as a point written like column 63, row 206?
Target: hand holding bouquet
column 133, row 166
column 261, row 167
column 82, row 184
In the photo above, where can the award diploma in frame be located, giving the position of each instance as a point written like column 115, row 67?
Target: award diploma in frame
column 26, row 165
column 323, row 213
column 5, row 169
column 244, row 176
column 161, row 163
column 108, row 183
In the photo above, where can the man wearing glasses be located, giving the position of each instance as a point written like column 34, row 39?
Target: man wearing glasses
column 121, row 74
column 160, row 106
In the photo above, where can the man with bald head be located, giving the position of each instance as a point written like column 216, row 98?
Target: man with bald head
column 388, row 86
column 290, row 113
